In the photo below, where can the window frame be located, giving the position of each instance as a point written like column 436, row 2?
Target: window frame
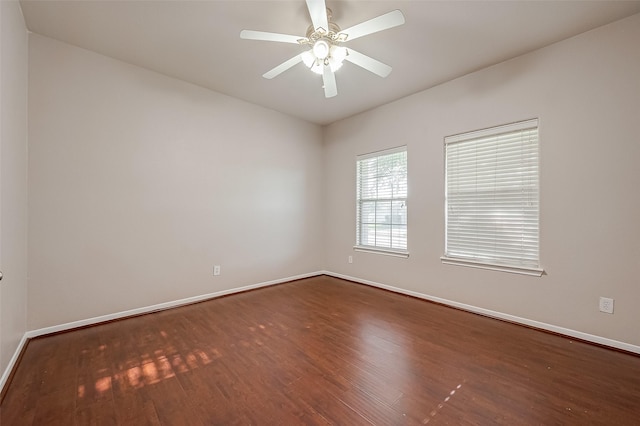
column 384, row 250
column 525, row 266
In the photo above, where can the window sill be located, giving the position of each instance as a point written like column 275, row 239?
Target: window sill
column 535, row 272
column 386, row 252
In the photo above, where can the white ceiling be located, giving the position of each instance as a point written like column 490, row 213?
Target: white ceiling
column 198, row 42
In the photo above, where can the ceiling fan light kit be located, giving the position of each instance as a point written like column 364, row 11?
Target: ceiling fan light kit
column 326, row 54
column 331, row 56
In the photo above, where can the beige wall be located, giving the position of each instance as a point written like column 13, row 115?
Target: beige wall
column 13, row 179
column 140, row 183
column 586, row 93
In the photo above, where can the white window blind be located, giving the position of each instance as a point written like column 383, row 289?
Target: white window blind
column 381, row 188
column 492, row 198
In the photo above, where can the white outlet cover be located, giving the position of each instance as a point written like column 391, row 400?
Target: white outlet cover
column 606, row 305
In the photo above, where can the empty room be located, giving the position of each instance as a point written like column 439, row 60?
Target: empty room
column 319, row 212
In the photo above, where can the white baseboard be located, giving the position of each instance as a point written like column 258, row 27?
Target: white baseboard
column 160, row 307
column 499, row 315
column 12, row 362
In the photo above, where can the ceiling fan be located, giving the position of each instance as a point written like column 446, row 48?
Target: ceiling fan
column 324, row 39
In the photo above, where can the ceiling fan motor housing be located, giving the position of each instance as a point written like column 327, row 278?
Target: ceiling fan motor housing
column 325, row 49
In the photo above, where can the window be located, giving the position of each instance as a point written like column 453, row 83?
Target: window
column 492, row 199
column 381, row 188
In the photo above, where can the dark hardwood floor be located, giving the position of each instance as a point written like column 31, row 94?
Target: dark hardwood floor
column 319, row 351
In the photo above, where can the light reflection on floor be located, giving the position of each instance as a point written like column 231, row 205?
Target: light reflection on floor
column 150, row 369
column 435, row 411
column 387, row 349
column 384, row 346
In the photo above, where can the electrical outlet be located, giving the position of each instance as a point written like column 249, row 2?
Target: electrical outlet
column 216, row 270
column 350, row 259
column 606, row 305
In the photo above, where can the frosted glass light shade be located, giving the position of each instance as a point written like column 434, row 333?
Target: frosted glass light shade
column 333, row 57
column 321, row 49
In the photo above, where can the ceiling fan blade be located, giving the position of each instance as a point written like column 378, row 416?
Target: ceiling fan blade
column 382, row 22
column 261, row 35
column 282, row 67
column 318, row 13
column 368, row 63
column 329, row 80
